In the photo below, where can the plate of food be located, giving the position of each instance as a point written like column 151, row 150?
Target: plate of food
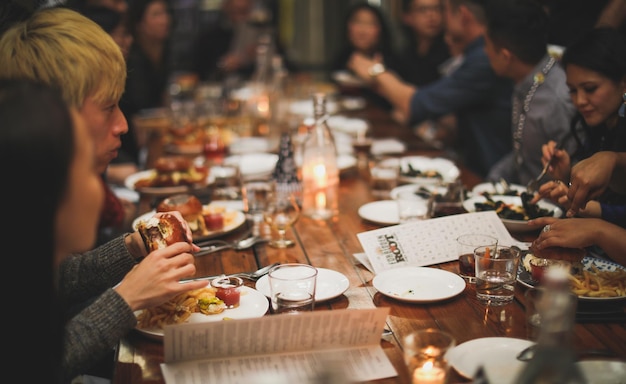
column 171, row 174
column 496, row 188
column 205, row 221
column 514, row 211
column 596, row 280
column 496, row 355
column 427, row 170
column 199, row 306
column 330, row 284
column 418, row 284
column 425, row 191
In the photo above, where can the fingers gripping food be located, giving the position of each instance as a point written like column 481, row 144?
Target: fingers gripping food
column 159, row 232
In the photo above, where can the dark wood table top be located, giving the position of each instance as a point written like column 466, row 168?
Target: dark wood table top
column 331, row 244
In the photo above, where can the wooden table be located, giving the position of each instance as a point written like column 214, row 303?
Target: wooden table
column 331, row 244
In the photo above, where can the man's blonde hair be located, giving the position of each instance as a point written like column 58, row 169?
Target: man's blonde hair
column 62, row 48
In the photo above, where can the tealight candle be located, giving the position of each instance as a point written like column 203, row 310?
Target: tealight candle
column 429, row 374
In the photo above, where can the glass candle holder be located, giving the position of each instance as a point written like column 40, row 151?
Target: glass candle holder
column 424, row 355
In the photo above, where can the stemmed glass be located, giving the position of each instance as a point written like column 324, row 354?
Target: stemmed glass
column 281, row 212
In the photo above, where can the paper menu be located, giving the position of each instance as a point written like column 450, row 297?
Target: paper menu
column 287, row 348
column 428, row 242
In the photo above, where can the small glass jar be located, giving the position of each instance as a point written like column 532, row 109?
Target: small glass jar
column 228, row 290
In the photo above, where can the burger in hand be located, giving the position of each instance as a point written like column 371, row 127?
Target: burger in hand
column 160, row 231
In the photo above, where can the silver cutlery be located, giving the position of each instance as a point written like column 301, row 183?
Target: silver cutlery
column 237, row 245
column 533, row 185
column 253, row 276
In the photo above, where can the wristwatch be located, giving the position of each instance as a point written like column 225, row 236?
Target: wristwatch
column 376, row 70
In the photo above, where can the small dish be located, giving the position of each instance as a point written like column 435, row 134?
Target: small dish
column 384, row 212
column 418, row 284
column 427, row 170
column 330, row 284
column 497, row 356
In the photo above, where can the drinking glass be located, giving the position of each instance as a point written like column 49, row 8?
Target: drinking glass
column 496, row 272
column 281, row 212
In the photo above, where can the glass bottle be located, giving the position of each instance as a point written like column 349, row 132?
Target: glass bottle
column 554, row 359
column 261, row 85
column 320, row 173
column 286, row 173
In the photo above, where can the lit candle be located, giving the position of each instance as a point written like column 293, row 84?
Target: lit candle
column 320, row 201
column 428, row 374
column 319, row 170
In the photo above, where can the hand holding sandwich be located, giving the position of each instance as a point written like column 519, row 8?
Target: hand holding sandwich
column 165, row 241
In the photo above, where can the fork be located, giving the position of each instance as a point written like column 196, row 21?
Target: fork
column 533, row 185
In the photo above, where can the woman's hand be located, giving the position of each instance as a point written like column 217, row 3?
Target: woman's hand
column 156, row 279
column 568, row 233
column 560, row 165
column 590, row 178
column 555, row 191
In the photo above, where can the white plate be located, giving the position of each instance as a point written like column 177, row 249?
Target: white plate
column 512, row 225
column 345, row 162
column 496, row 189
column 433, row 189
column 446, row 168
column 253, row 304
column 353, row 103
column 125, row 193
column 347, row 79
column 525, row 278
column 497, row 355
column 254, row 164
column 245, row 145
column 604, row 371
column 418, row 284
column 329, row 284
column 383, row 212
column 130, row 181
column 238, row 220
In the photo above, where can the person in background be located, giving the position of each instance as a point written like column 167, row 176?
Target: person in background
column 366, row 33
column 127, row 161
column 590, row 179
column 228, row 47
column 595, row 67
column 426, row 49
column 93, row 87
column 516, row 44
column 480, row 100
column 149, row 70
column 119, row 6
column 425, row 58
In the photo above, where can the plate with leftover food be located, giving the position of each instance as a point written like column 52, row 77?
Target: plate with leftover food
column 211, row 220
column 599, row 279
column 151, row 322
column 514, row 211
column 418, row 284
column 427, row 170
column 172, row 174
column 496, row 188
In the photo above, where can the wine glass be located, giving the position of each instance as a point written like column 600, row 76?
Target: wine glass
column 282, row 211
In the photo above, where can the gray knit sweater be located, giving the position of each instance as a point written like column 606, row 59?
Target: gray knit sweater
column 97, row 328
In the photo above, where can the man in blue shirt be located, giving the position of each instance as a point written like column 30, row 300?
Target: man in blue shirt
column 480, row 100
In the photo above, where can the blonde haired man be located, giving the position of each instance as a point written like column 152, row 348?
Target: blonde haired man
column 63, row 48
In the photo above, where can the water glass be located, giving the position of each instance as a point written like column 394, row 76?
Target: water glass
column 292, row 288
column 496, row 273
column 411, row 207
column 384, row 177
column 465, row 245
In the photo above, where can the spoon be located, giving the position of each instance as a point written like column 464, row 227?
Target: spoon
column 254, row 276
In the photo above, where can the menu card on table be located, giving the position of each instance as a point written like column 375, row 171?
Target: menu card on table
column 279, row 348
column 428, row 242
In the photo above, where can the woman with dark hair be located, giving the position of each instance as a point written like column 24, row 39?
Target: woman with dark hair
column 367, row 33
column 595, row 66
column 150, row 24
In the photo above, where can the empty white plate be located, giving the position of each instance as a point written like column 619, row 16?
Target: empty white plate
column 497, row 356
column 329, row 284
column 383, row 212
column 418, row 284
